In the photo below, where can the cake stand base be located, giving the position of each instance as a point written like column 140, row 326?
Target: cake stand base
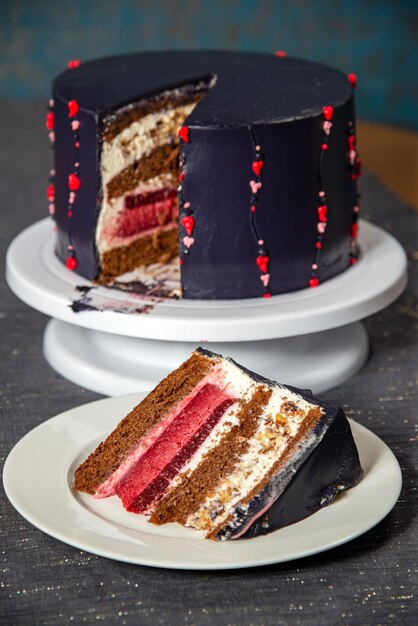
column 114, row 365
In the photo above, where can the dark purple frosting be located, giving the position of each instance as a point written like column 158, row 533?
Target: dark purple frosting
column 277, row 100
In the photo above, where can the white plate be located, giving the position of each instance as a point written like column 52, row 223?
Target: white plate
column 38, row 474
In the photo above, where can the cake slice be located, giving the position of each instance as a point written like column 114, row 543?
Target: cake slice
column 221, row 449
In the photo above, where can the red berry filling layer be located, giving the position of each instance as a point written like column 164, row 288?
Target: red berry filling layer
column 142, row 217
column 156, row 488
column 133, row 201
column 146, row 480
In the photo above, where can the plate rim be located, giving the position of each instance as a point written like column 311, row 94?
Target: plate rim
column 112, row 552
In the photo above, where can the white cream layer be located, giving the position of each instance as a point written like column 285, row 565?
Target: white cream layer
column 140, row 138
column 269, row 442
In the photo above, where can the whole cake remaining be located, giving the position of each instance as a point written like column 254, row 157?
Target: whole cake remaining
column 221, row 449
column 240, row 168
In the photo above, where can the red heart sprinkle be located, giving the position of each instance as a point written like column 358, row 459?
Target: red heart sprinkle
column 351, row 142
column 73, row 182
column 73, row 108
column 352, row 79
column 71, row 263
column 318, row 245
column 50, row 192
column 49, row 121
column 74, row 63
column 262, row 262
column 281, row 54
column 328, row 112
column 354, row 230
column 324, row 147
column 188, row 223
column 257, row 166
column 181, row 176
column 322, row 213
column 184, row 133
column 314, row 282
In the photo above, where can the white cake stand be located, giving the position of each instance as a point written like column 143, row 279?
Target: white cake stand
column 311, row 338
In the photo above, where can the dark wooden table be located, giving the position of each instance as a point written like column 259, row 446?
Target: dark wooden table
column 372, row 580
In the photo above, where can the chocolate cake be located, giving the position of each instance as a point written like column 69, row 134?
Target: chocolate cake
column 241, row 165
column 220, row 449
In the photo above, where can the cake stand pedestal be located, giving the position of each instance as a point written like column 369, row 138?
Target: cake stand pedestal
column 311, row 338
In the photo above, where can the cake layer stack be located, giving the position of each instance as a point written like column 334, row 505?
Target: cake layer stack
column 220, row 449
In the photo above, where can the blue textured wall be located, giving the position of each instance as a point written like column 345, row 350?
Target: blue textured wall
column 376, row 40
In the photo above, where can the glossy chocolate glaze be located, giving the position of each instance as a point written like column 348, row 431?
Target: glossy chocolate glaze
column 281, row 100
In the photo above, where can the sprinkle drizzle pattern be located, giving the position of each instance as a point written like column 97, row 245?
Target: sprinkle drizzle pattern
column 355, row 170
column 74, row 181
column 322, row 206
column 187, row 220
column 50, row 126
column 262, row 259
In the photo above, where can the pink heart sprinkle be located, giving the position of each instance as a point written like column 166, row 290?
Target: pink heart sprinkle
column 321, row 227
column 75, row 124
column 265, row 279
column 188, row 241
column 327, row 127
column 72, row 197
column 255, row 186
